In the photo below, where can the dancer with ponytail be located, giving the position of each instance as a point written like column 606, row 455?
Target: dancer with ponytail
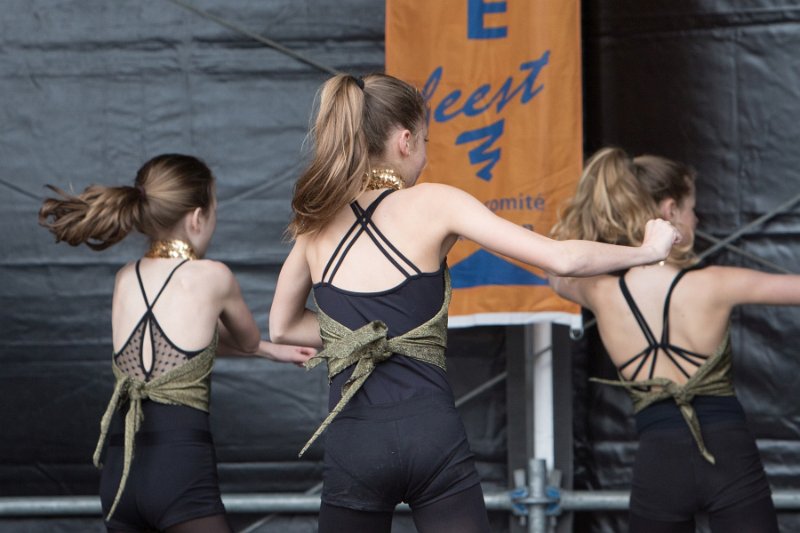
column 665, row 327
column 172, row 311
column 372, row 245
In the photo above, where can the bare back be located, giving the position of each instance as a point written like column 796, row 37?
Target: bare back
column 166, row 306
column 697, row 321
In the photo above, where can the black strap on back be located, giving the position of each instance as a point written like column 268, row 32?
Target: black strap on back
column 365, row 224
column 654, row 345
column 164, row 286
column 149, row 318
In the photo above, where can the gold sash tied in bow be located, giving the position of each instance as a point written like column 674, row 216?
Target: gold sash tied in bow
column 712, row 378
column 188, row 384
column 369, row 346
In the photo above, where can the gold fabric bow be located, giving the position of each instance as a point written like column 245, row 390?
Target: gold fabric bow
column 369, row 346
column 188, row 384
column 712, row 378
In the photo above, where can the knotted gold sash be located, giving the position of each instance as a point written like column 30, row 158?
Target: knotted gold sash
column 712, row 378
column 188, row 384
column 368, row 346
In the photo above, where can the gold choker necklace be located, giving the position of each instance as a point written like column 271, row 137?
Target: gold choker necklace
column 172, row 249
column 384, row 178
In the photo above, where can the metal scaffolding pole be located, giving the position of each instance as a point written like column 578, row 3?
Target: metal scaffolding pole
column 537, row 486
column 536, row 502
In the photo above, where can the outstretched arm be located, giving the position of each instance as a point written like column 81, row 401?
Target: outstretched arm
column 465, row 216
column 737, row 286
column 286, row 353
column 290, row 322
column 282, row 353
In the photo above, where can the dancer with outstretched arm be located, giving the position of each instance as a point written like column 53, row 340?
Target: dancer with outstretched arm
column 665, row 327
column 371, row 246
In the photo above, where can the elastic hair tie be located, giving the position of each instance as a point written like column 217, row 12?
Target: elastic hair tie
column 141, row 191
column 359, row 82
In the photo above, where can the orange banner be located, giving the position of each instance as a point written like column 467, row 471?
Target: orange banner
column 503, row 82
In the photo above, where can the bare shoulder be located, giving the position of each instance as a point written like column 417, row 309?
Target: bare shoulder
column 210, row 267
column 437, row 191
column 127, row 272
column 208, row 273
column 301, row 241
column 715, row 278
column 438, row 199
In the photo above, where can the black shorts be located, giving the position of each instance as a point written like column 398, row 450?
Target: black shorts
column 414, row 451
column 173, row 477
column 672, row 481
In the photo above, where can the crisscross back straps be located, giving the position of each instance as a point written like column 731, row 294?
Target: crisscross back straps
column 365, row 225
column 654, row 346
column 164, row 286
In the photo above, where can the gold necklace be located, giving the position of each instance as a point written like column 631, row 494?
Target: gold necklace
column 172, row 249
column 384, row 178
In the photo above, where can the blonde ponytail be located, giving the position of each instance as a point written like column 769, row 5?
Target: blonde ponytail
column 354, row 119
column 99, row 216
column 336, row 175
column 615, row 198
column 609, row 205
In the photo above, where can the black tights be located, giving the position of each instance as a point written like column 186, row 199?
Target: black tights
column 463, row 512
column 757, row 517
column 207, row 524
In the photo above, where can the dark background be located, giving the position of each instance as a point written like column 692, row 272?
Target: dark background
column 91, row 89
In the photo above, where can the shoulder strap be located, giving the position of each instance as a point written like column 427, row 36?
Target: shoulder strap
column 637, row 313
column 370, row 227
column 667, row 300
column 164, row 286
column 670, row 349
column 652, row 343
column 364, row 224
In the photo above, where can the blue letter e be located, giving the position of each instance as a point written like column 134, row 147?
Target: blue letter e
column 475, row 23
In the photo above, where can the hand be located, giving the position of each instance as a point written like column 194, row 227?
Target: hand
column 285, row 353
column 660, row 235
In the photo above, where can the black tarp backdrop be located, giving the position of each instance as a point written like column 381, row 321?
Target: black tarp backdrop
column 714, row 84
column 90, row 90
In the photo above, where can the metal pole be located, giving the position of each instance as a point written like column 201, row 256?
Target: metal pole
column 234, row 504
column 747, row 227
column 537, row 485
column 744, row 253
column 592, row 500
column 588, row 500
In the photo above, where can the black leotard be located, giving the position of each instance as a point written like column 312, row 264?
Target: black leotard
column 402, row 308
column 173, row 476
column 400, row 437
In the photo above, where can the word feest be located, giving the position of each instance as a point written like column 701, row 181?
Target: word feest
column 479, row 102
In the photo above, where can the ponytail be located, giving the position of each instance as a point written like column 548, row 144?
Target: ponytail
column 353, row 123
column 167, row 187
column 609, row 205
column 615, row 198
column 100, row 216
column 337, row 173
